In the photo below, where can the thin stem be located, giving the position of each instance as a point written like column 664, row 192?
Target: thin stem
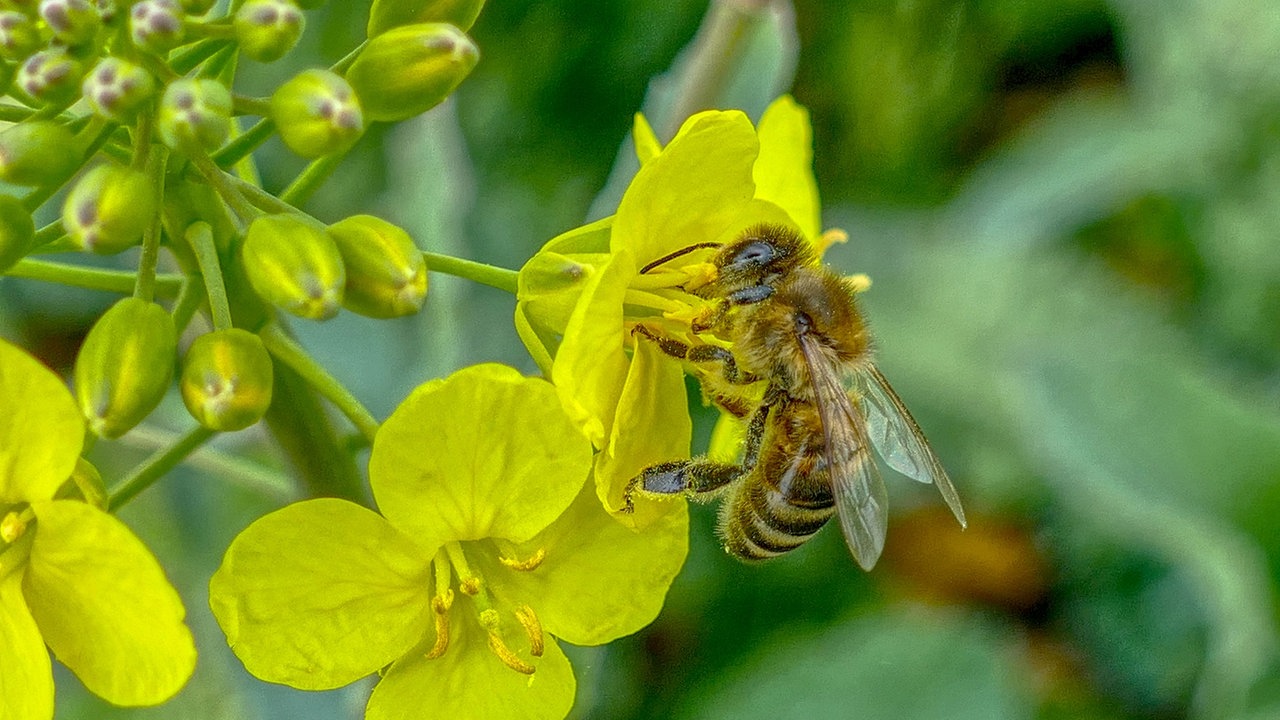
column 200, row 236
column 245, row 143
column 145, row 289
column 117, row 281
column 490, row 275
column 341, row 66
column 718, row 48
column 186, row 61
column 224, row 186
column 245, row 105
column 284, row 349
column 311, row 178
column 48, row 233
column 190, row 297
column 154, row 467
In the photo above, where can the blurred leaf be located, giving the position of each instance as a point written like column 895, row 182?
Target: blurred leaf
column 901, row 665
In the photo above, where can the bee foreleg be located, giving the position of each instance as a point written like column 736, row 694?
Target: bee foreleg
column 694, row 477
column 700, row 354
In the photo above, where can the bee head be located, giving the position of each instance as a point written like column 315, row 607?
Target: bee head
column 760, row 256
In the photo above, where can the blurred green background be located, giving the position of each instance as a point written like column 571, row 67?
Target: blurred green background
column 1069, row 210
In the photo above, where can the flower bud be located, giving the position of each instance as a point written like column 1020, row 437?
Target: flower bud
column 109, row 208
column 386, row 275
column 117, row 89
column 17, row 231
column 157, row 25
column 125, row 365
column 317, row 113
column 387, row 14
column 195, row 113
column 51, row 76
column 19, row 36
column 37, row 152
column 267, row 29
column 85, row 484
column 226, row 379
column 73, row 22
column 409, row 70
column 294, row 265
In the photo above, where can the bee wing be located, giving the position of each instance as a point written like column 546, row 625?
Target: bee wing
column 898, row 438
column 861, row 500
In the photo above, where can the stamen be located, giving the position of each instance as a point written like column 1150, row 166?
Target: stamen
column 645, row 299
column 470, row 586
column 469, row 582
column 829, row 238
column 659, row 280
column 531, row 563
column 489, row 621
column 12, row 526
column 440, row 604
column 532, row 628
column 858, row 283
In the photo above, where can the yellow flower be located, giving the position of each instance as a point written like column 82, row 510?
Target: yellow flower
column 488, row 548
column 582, row 294
column 71, row 576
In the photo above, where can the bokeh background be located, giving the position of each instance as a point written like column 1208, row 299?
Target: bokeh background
column 1070, row 211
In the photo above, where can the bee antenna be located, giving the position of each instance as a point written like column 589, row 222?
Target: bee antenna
column 682, row 251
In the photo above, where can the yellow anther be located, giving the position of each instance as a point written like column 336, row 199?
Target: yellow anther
column 440, row 604
column 829, row 238
column 525, row 565
column 490, row 622
column 470, row 585
column 858, row 283
column 699, row 275
column 12, row 527
column 532, row 627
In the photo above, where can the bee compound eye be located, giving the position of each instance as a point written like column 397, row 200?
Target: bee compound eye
column 757, row 252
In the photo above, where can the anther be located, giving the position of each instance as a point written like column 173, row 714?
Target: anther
column 12, row 527
column 440, row 604
column 525, row 565
column 470, row 586
column 489, row 621
column 532, row 627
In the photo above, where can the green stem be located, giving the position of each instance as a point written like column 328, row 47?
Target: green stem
column 117, row 281
column 245, row 105
column 244, row 144
column 101, row 131
column 190, row 297
column 200, row 236
column 341, row 66
column 146, row 287
column 717, row 51
column 48, row 234
column 490, row 275
column 220, row 29
column 311, row 178
column 186, row 61
column 154, row 467
column 284, row 349
column 224, row 186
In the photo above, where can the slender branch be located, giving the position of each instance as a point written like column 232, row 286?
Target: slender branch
column 117, row 281
column 490, row 275
column 146, row 287
column 154, row 467
column 190, row 297
column 245, row 105
column 311, row 178
column 244, row 144
column 341, row 66
column 186, row 60
column 224, row 186
column 284, row 349
column 200, row 236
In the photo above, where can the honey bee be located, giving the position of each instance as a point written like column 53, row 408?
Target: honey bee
column 800, row 373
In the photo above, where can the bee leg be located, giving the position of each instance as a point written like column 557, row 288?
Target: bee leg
column 745, row 296
column 688, row 477
column 699, row 354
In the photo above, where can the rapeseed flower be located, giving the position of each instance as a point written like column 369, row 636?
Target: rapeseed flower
column 489, row 547
column 581, row 296
column 72, row 577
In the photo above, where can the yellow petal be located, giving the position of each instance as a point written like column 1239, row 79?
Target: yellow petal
column 468, row 681
column 646, row 142
column 692, row 190
column 599, row 579
column 105, row 607
column 590, row 367
column 483, row 453
column 321, row 593
column 652, row 425
column 26, row 680
column 784, row 171
column 41, row 431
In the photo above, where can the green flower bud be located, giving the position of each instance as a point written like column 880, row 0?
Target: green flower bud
column 294, row 266
column 85, row 484
column 109, row 208
column 386, row 275
column 125, row 365
column 117, row 89
column 317, row 113
column 19, row 36
column 226, row 379
column 73, row 22
column 387, row 14
column 408, row 70
column 267, row 29
column 17, row 231
column 195, row 113
column 37, row 152
column 157, row 25
column 51, row 76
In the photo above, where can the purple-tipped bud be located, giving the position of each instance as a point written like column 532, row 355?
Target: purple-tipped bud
column 317, row 113
column 268, row 29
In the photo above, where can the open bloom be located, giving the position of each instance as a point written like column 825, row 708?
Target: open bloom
column 582, row 294
column 71, row 576
column 488, row 548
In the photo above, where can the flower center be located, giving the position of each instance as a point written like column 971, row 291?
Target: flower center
column 16, row 534
column 451, row 568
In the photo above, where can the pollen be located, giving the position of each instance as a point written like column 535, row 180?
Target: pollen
column 490, row 622
column 470, row 585
column 12, row 527
column 828, row 238
column 530, row 563
column 441, row 604
column 532, row 627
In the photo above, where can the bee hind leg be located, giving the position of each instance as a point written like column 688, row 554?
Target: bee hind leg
column 693, row 478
